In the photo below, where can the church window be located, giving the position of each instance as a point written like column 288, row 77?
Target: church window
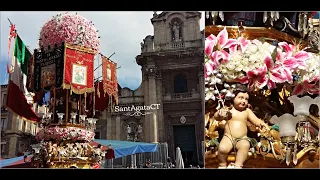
column 180, row 84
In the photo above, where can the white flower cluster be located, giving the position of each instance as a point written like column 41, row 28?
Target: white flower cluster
column 212, row 92
column 312, row 69
column 240, row 63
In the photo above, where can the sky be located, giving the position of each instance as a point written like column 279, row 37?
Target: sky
column 120, row 32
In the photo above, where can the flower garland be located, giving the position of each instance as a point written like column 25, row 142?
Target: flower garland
column 70, row 28
column 66, row 133
column 260, row 64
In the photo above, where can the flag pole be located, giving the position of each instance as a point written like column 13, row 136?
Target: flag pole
column 10, row 22
column 101, row 63
column 9, row 78
column 12, row 33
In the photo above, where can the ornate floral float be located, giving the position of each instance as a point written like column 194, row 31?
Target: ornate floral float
column 63, row 67
column 283, row 80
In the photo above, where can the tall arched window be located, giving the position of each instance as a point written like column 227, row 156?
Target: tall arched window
column 180, row 84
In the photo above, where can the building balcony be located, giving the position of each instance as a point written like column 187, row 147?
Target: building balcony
column 181, row 96
column 178, row 45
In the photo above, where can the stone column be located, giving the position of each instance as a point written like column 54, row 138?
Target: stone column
column 160, row 116
column 109, row 127
column 13, row 141
column 118, row 128
column 146, row 121
column 14, row 122
column 103, row 122
column 104, row 114
column 13, row 137
column 201, row 115
column 153, row 100
column 201, row 88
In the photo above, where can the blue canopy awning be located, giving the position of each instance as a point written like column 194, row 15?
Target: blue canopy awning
column 13, row 161
column 125, row 148
column 120, row 148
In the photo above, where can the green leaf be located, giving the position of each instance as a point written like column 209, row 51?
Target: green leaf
column 213, row 142
column 261, row 39
column 274, row 54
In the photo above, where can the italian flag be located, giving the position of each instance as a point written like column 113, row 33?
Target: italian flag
column 17, row 101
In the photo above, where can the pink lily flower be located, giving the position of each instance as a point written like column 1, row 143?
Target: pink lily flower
column 242, row 80
column 307, row 86
column 287, row 65
column 215, row 46
column 214, row 61
column 269, row 75
column 208, row 68
column 241, row 42
column 300, row 56
column 288, row 48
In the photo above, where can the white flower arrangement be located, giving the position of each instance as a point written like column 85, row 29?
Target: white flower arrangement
column 259, row 64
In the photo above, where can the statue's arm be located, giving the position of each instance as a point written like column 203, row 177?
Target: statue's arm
column 255, row 120
column 217, row 116
column 223, row 114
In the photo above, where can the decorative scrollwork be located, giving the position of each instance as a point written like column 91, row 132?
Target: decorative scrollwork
column 136, row 113
column 314, row 39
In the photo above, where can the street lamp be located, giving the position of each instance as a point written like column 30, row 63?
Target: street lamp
column 295, row 130
column 133, row 135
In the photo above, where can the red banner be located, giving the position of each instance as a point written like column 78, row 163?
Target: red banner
column 78, row 69
column 109, row 77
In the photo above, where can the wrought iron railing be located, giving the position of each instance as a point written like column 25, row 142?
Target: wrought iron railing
column 181, row 95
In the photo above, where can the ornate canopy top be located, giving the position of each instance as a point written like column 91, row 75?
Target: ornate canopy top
column 298, row 24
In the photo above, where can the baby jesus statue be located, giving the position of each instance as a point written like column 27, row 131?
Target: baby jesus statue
column 235, row 131
column 60, row 106
column 74, row 105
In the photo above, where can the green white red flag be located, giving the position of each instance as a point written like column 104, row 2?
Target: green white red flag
column 17, row 91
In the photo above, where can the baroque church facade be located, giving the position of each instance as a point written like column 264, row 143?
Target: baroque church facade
column 171, row 95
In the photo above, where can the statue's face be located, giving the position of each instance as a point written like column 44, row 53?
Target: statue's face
column 241, row 100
